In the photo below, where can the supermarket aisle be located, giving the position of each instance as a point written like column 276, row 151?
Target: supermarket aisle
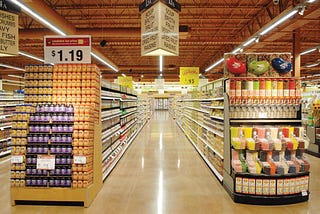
column 162, row 173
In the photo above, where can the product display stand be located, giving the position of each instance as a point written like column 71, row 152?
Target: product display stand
column 265, row 145
column 57, row 137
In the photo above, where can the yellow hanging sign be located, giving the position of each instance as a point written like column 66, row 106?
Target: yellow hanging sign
column 125, row 81
column 189, row 76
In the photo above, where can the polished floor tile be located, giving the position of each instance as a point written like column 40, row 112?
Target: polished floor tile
column 162, row 173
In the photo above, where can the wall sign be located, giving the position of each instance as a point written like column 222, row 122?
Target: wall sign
column 67, row 49
column 159, row 31
column 189, row 76
column 9, row 37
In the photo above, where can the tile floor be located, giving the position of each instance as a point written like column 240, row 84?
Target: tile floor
column 161, row 173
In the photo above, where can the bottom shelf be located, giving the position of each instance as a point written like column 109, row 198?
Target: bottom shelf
column 53, row 195
column 5, row 153
column 270, row 200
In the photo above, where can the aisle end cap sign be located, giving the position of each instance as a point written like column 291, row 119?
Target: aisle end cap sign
column 148, row 3
column 67, row 49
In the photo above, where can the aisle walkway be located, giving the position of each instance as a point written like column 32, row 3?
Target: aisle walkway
column 161, row 173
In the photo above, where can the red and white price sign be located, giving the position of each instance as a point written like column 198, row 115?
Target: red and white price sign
column 67, row 49
column 46, row 162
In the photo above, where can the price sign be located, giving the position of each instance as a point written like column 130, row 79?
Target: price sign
column 46, row 162
column 79, row 159
column 67, row 49
column 125, row 81
column 189, row 76
column 17, row 159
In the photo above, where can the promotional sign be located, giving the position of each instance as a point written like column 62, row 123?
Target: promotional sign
column 125, row 81
column 160, row 31
column 189, row 76
column 46, row 162
column 9, row 37
column 257, row 65
column 67, row 49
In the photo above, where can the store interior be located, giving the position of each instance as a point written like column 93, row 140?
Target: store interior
column 224, row 115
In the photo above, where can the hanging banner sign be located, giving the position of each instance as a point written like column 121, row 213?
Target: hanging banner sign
column 125, row 81
column 67, row 49
column 9, row 36
column 171, row 3
column 189, row 76
column 160, row 31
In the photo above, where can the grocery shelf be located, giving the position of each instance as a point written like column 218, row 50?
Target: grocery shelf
column 218, row 118
column 196, row 109
column 5, row 153
column 204, row 141
column 5, row 139
column 206, row 127
column 216, row 173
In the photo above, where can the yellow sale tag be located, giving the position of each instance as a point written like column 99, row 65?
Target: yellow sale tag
column 189, row 76
column 125, row 81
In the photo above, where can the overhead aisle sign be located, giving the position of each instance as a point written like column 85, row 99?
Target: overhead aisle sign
column 160, row 28
column 189, row 76
column 67, row 49
column 125, row 81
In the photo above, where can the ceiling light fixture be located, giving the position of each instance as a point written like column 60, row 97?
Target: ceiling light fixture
column 12, row 67
column 249, row 41
column 55, row 29
column 31, row 56
column 236, row 50
column 160, row 63
column 39, row 18
column 103, row 61
column 279, row 21
column 214, row 64
column 308, row 51
column 123, row 75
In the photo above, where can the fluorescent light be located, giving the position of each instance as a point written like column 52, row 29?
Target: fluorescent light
column 310, row 1
column 236, row 50
column 214, row 64
column 39, row 18
column 104, row 62
column 278, row 22
column 160, row 63
column 15, row 76
column 308, row 51
column 31, row 56
column 249, row 41
column 123, row 75
column 12, row 67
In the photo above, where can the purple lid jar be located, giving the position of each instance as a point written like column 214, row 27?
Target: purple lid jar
column 58, row 171
column 28, row 171
column 63, row 160
column 51, row 183
column 58, row 160
column 56, row 108
column 34, row 160
column 63, row 182
column 51, row 108
column 37, row 117
column 28, row 182
column 34, row 171
column 45, row 182
column 45, row 150
column 58, row 149
column 40, row 138
column 69, row 150
column 57, row 182
column 68, row 183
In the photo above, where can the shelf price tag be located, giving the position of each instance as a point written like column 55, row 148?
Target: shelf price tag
column 189, row 76
column 46, row 162
column 17, row 159
column 67, row 49
column 79, row 159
